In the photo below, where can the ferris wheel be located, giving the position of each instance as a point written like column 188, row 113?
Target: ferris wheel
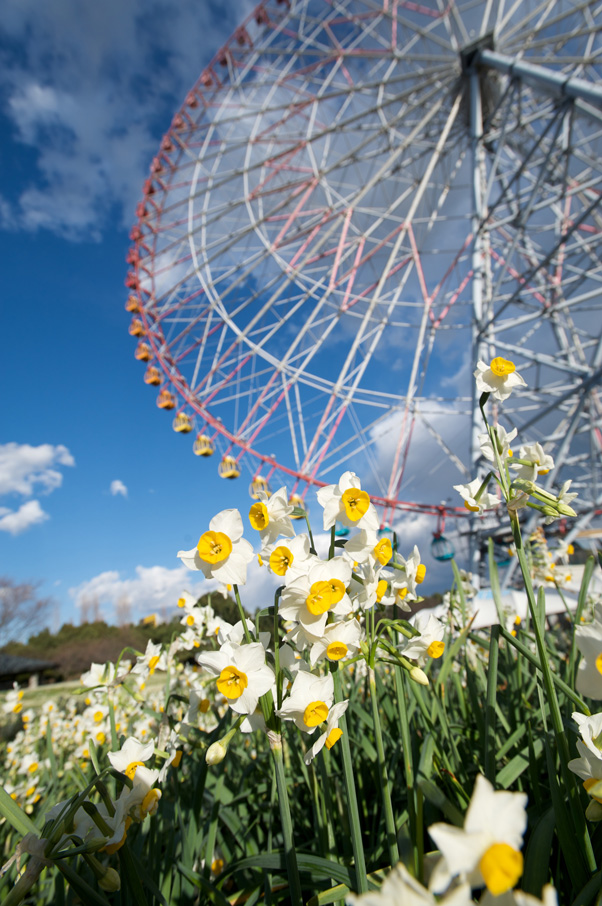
column 358, row 200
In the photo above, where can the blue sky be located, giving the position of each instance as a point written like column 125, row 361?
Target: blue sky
column 86, row 93
column 97, row 493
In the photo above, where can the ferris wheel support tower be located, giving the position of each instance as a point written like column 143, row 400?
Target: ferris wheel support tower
column 477, row 58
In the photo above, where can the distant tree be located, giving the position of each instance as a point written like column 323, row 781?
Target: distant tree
column 21, row 610
column 123, row 611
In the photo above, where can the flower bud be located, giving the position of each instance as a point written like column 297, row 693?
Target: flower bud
column 419, row 676
column 216, row 753
column 110, row 881
column 565, row 509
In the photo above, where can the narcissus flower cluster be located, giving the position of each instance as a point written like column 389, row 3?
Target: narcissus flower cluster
column 514, row 476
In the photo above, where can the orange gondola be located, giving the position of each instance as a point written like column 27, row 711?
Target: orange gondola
column 136, row 328
column 143, row 352
column 166, row 400
column 152, row 376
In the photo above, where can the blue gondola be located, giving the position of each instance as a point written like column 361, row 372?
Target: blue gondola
column 442, row 549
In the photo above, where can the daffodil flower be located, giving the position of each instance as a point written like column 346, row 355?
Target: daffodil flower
column 340, row 640
column 288, row 558
column 221, row 553
column 429, row 644
column 311, row 597
column 131, row 757
column 332, row 733
column 242, row 674
column 503, row 440
column 98, row 675
column 519, row 898
column 366, row 545
column 154, row 658
column 309, row 702
column 532, row 461
column 486, row 851
column 415, row 571
column 270, row 516
column 588, row 639
column 500, row 378
column 367, row 588
column 346, row 503
column 400, row 887
column 475, row 498
column 589, row 765
column 590, row 729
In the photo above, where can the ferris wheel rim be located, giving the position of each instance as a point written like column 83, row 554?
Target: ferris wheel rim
column 179, row 381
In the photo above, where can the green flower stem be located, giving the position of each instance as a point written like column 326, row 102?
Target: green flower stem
column 290, row 853
column 248, row 638
column 332, row 541
column 489, row 735
column 354, row 816
column 416, row 830
column 27, row 880
column 383, row 777
column 581, row 831
column 311, row 537
column 277, row 670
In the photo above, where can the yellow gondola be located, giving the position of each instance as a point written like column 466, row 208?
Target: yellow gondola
column 136, row 328
column 182, row 423
column 132, row 305
column 257, row 485
column 228, row 468
column 143, row 352
column 166, row 400
column 203, row 446
column 296, row 501
column 152, row 376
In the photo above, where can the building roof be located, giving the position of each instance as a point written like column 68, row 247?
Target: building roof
column 13, row 664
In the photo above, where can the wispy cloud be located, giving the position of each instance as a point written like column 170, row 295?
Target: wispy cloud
column 92, row 87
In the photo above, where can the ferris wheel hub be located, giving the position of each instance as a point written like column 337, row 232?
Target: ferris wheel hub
column 470, row 53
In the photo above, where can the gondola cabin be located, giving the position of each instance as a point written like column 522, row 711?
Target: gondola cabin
column 258, row 485
column 166, row 400
column 136, row 328
column 143, row 352
column 296, row 501
column 203, row 446
column 228, row 468
column 152, row 376
column 182, row 423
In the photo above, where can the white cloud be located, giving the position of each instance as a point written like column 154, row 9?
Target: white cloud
column 153, row 588
column 92, row 88
column 23, row 469
column 157, row 588
column 430, row 472
column 28, row 514
column 23, row 466
column 118, row 487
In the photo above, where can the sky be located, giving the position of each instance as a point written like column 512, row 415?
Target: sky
column 97, row 493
